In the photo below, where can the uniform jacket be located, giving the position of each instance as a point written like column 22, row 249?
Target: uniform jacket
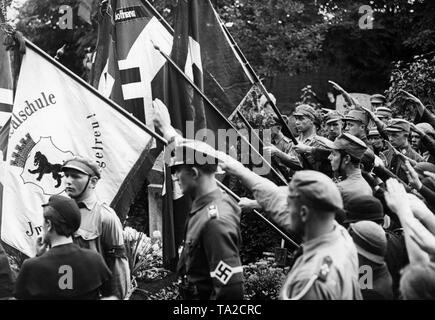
column 41, row 277
column 396, row 164
column 337, row 245
column 101, row 231
column 210, row 258
column 354, row 185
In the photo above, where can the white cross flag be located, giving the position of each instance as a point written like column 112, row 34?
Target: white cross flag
column 55, row 117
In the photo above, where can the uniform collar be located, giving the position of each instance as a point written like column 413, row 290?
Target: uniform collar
column 326, row 238
column 205, row 199
column 308, row 139
column 355, row 174
column 90, row 201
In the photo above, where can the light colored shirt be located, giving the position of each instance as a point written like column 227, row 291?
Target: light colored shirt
column 101, row 231
column 342, row 280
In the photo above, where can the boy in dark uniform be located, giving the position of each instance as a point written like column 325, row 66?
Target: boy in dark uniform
column 64, row 271
column 210, row 267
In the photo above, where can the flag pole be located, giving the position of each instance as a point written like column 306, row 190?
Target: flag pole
column 128, row 115
column 235, row 196
column 96, row 92
column 215, row 108
column 257, row 81
column 158, row 16
column 161, row 19
column 286, row 129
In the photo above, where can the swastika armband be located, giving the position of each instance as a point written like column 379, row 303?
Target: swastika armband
column 224, row 272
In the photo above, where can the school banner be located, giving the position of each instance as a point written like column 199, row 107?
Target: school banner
column 55, row 117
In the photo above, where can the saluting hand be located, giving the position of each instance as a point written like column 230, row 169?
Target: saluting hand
column 230, row 165
column 422, row 237
column 413, row 179
column 336, row 86
column 429, row 174
column 416, row 130
column 247, row 204
column 397, row 199
column 369, row 112
column 411, row 97
column 162, row 119
column 270, row 150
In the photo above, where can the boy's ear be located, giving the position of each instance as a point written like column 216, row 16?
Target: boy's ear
column 93, row 182
column 195, row 172
column 304, row 212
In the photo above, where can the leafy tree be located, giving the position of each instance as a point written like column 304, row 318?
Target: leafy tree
column 277, row 36
column 39, row 22
column 416, row 77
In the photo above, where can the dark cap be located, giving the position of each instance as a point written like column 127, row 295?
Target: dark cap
column 378, row 98
column 370, row 240
column 399, row 125
column 350, row 144
column 368, row 160
column 358, row 116
column 305, row 110
column 65, row 208
column 83, row 165
column 195, row 153
column 332, row 116
column 317, row 189
column 364, row 207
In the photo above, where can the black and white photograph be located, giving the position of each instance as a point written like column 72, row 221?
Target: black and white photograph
column 213, row 158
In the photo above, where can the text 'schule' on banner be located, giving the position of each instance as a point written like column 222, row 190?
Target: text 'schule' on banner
column 43, row 135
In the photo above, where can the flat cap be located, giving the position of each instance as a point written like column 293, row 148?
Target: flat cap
column 370, row 240
column 383, row 112
column 332, row 116
column 305, row 110
column 373, row 132
column 378, row 98
column 398, row 125
column 83, row 165
column 67, row 209
column 350, row 144
column 316, row 189
column 358, row 116
column 364, row 207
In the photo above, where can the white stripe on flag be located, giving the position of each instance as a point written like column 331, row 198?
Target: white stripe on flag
column 6, row 96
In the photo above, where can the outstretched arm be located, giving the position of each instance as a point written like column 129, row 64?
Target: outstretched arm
column 397, row 200
column 347, row 97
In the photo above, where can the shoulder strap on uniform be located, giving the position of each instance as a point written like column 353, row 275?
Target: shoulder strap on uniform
column 321, row 275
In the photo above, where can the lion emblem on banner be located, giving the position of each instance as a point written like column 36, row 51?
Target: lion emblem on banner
column 45, row 167
column 41, row 163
